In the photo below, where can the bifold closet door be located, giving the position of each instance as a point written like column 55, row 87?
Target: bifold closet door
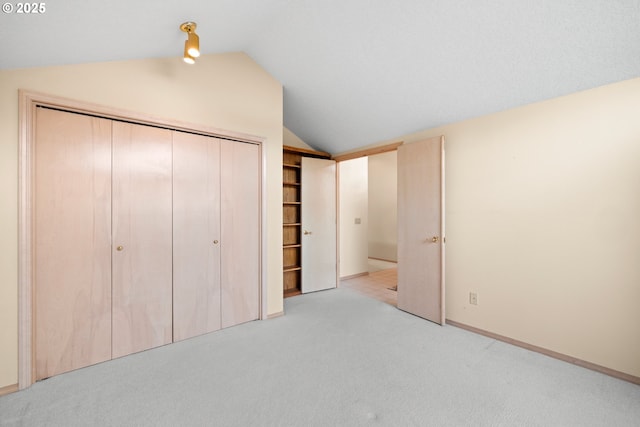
column 142, row 238
column 196, row 235
column 72, row 252
column 240, row 232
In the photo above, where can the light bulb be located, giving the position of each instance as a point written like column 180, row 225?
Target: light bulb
column 187, row 57
column 193, row 45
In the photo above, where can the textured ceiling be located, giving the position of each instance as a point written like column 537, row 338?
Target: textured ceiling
column 356, row 72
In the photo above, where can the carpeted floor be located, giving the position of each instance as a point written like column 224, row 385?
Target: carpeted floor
column 336, row 359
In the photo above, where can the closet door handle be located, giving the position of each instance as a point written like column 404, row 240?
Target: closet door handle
column 307, row 232
column 215, row 242
column 120, row 248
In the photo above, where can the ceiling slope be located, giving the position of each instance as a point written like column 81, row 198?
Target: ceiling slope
column 356, row 72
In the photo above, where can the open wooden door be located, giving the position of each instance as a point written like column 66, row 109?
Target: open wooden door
column 421, row 229
column 319, row 241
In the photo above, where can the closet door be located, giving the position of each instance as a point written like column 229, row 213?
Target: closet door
column 72, row 257
column 240, row 231
column 142, row 255
column 196, row 235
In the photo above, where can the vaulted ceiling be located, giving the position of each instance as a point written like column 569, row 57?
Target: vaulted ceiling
column 356, row 72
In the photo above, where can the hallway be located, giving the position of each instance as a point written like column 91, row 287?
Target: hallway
column 379, row 285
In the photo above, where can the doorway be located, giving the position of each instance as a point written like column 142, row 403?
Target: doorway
column 419, row 240
column 368, row 225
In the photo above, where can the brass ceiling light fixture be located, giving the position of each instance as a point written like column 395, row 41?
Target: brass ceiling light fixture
column 192, row 44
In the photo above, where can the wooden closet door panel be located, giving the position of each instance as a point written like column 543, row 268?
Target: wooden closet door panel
column 240, row 238
column 72, row 257
column 196, row 235
column 142, row 248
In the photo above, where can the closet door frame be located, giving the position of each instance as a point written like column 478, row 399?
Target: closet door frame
column 28, row 103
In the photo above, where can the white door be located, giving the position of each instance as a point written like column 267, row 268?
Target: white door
column 421, row 229
column 319, row 250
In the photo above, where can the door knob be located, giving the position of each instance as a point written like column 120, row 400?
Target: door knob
column 435, row 239
column 215, row 242
column 307, row 232
column 120, row 248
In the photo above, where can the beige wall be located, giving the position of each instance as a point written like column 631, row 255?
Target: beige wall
column 383, row 203
column 543, row 222
column 227, row 91
column 292, row 140
column 353, row 199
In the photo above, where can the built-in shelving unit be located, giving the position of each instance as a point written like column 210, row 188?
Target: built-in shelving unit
column 292, row 216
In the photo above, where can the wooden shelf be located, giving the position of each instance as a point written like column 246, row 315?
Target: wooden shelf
column 292, row 158
column 292, row 292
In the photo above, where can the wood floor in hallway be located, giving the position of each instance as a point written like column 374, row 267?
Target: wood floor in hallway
column 380, row 285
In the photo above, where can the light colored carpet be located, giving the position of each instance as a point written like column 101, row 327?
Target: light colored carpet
column 336, row 359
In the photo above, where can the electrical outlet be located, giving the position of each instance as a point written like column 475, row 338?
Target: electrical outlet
column 473, row 298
